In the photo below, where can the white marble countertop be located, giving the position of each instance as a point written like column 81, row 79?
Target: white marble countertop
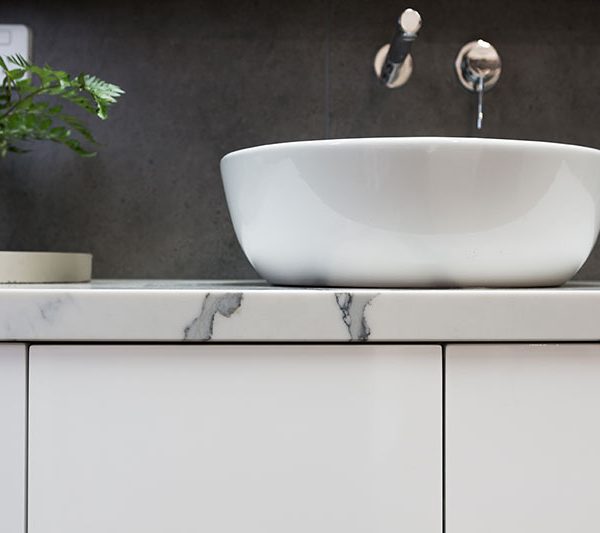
column 252, row 311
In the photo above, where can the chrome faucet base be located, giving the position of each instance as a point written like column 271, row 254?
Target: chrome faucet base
column 478, row 59
column 400, row 75
column 478, row 68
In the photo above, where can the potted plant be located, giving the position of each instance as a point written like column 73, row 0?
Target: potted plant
column 31, row 109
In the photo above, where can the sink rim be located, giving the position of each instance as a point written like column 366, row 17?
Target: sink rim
column 476, row 142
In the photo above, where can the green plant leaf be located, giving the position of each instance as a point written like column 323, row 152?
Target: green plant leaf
column 79, row 127
column 24, row 117
column 103, row 93
column 19, row 60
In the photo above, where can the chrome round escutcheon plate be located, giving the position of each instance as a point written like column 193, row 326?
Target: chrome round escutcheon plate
column 476, row 60
column 404, row 72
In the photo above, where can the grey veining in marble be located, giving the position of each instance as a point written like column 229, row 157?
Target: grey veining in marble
column 201, row 328
column 51, row 308
column 353, row 308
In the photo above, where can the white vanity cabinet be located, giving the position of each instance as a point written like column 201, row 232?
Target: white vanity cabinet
column 235, row 438
column 13, row 440
column 522, row 438
column 236, row 407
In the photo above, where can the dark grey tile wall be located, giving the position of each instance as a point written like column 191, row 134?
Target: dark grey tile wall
column 205, row 77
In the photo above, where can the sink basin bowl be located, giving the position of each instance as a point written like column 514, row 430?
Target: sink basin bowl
column 415, row 212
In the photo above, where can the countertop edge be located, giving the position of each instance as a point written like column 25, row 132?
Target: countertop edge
column 253, row 312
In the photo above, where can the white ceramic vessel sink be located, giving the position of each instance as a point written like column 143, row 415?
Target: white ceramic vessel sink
column 415, row 212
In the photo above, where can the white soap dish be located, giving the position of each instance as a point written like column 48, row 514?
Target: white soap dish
column 45, row 267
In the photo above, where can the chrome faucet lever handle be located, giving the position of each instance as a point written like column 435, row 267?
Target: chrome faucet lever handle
column 393, row 62
column 478, row 68
column 480, row 88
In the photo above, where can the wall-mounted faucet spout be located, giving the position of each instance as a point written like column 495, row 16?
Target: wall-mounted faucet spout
column 393, row 63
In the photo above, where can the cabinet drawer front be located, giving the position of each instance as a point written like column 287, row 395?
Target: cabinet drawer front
column 224, row 439
column 522, row 438
column 13, row 424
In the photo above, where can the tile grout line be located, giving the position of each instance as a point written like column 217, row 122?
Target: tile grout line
column 26, row 457
column 329, row 7
column 443, row 438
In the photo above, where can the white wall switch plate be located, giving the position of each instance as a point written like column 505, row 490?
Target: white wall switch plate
column 15, row 39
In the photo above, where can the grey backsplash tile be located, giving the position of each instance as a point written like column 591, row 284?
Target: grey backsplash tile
column 207, row 77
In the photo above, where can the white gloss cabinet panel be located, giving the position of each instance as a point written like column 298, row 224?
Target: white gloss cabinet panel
column 522, row 438
column 229, row 439
column 13, row 426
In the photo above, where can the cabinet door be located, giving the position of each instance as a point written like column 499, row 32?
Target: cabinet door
column 522, row 438
column 13, row 425
column 230, row 439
